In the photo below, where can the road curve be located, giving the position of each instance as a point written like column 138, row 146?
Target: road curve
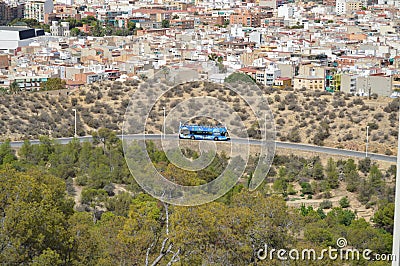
column 279, row 144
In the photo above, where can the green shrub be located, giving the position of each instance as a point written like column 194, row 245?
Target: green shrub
column 90, row 195
column 344, row 202
column 326, row 204
column 81, row 180
column 306, row 188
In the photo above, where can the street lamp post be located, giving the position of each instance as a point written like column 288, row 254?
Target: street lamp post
column 163, row 122
column 366, row 144
column 396, row 224
column 75, row 135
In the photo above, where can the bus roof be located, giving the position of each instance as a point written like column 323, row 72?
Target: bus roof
column 203, row 128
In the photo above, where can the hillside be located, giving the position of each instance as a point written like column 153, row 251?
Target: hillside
column 316, row 117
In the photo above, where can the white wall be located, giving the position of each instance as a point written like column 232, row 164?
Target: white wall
column 13, row 43
column 9, row 35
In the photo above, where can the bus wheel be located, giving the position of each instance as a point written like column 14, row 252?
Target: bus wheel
column 215, row 138
column 192, row 137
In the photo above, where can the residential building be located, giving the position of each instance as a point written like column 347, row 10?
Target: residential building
column 111, row 17
column 36, row 9
column 149, row 25
column 10, row 11
column 311, row 70
column 90, row 77
column 329, row 2
column 273, row 22
column 62, row 12
column 245, row 18
column 65, row 2
column 4, row 61
column 182, row 24
column 250, row 71
column 213, row 20
column 263, row 75
column 60, row 29
column 349, row 83
column 344, row 7
column 308, row 82
column 332, row 80
column 286, row 11
column 396, row 83
column 271, row 73
column 282, row 83
column 393, row 3
column 273, row 4
column 29, row 83
column 379, row 84
column 366, row 85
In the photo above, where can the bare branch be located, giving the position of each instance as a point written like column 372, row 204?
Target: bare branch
column 175, row 257
column 167, row 218
column 147, row 256
column 148, row 252
column 163, row 252
column 163, row 244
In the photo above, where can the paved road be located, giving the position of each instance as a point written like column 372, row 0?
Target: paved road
column 279, row 144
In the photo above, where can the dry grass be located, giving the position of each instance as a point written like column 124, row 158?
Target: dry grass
column 336, row 194
column 344, row 117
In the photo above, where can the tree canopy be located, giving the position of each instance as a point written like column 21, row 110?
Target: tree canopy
column 53, row 84
column 237, row 76
column 44, row 221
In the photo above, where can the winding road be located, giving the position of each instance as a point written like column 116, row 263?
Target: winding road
column 279, row 144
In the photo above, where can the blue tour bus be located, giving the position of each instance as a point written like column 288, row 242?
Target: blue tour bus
column 196, row 132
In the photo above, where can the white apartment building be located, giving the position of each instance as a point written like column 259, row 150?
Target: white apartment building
column 35, row 9
column 348, row 6
column 395, row 3
column 268, row 75
column 57, row 29
column 237, row 30
column 286, row 11
column 255, row 37
column 340, row 7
